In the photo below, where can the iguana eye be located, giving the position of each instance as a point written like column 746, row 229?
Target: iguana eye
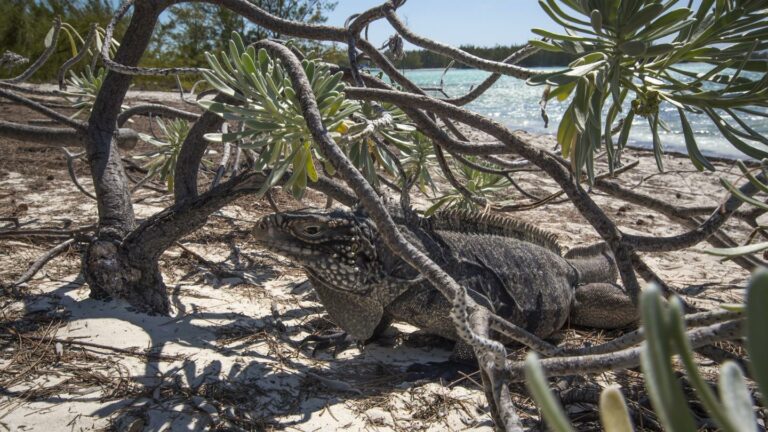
column 312, row 230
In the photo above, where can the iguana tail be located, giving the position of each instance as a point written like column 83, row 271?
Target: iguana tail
column 594, row 263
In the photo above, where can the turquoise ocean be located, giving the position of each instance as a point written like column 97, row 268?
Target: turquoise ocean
column 515, row 104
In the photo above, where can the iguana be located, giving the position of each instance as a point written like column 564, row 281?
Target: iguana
column 511, row 267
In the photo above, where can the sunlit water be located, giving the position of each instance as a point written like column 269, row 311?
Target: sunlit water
column 515, row 104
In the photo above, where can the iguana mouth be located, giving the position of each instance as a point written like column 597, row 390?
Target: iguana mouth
column 269, row 235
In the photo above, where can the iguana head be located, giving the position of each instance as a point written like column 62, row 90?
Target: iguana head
column 336, row 247
column 337, row 250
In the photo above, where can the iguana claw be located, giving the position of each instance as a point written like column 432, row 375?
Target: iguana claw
column 340, row 341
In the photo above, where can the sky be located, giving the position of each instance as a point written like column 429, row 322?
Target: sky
column 456, row 22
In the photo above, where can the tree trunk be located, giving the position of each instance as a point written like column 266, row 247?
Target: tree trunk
column 122, row 261
column 108, row 267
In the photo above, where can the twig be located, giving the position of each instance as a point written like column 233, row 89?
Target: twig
column 454, row 53
column 61, row 75
column 155, row 109
column 40, row 262
column 627, row 358
column 152, row 356
column 49, row 233
column 71, row 169
column 13, row 220
column 43, row 110
column 271, row 201
column 222, row 168
column 218, row 269
column 49, row 50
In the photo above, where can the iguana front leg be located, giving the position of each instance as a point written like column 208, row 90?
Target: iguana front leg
column 340, row 340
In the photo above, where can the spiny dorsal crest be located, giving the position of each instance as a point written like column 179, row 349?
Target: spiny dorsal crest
column 588, row 251
column 472, row 222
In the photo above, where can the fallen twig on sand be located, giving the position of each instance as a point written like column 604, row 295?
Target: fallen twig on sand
column 37, row 265
column 135, row 353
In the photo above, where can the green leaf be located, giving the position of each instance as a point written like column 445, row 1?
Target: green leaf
column 561, row 92
column 437, row 205
column 546, row 46
column 238, row 42
column 757, row 337
column 556, row 78
column 747, row 199
column 614, row 415
column 681, row 343
column 698, row 159
column 559, row 37
column 641, row 18
column 311, row 171
column 582, row 70
column 596, row 19
column 657, row 50
column 658, row 151
column 633, row 48
column 736, row 399
column 752, row 179
column 566, row 131
column 667, row 397
column 49, row 37
column 581, row 104
column 263, row 59
column 537, row 384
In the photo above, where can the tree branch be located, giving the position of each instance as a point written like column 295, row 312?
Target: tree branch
column 454, row 53
column 627, row 358
column 156, row 109
column 61, row 118
column 60, row 137
column 481, row 88
column 49, row 50
column 61, row 75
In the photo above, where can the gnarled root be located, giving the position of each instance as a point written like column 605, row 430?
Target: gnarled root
column 111, row 274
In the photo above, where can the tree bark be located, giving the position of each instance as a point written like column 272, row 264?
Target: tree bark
column 60, row 136
column 191, row 154
column 106, row 266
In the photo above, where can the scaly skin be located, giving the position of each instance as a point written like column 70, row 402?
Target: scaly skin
column 363, row 285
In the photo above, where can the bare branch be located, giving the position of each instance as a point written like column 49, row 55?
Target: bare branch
column 627, row 358
column 71, row 169
column 43, row 110
column 454, row 53
column 481, row 88
column 61, row 75
column 40, row 262
column 156, row 109
column 700, row 233
column 60, row 137
column 34, row 67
